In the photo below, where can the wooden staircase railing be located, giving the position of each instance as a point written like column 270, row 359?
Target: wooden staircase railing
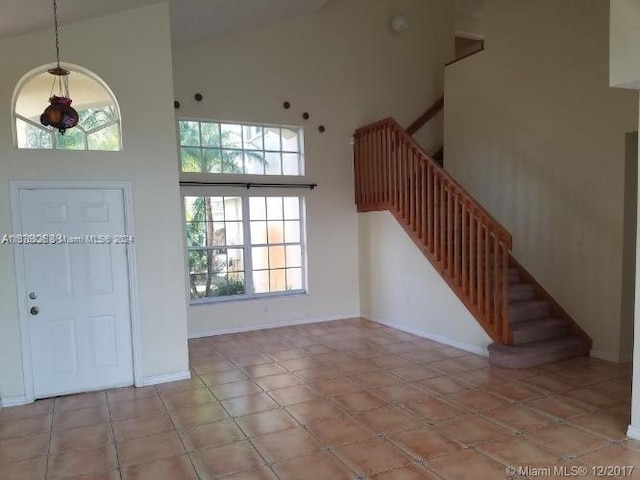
column 461, row 239
column 422, row 120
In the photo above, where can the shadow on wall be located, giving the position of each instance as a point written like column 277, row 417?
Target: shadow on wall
column 629, row 246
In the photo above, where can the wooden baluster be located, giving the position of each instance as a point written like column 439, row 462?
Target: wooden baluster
column 416, row 192
column 465, row 247
column 415, row 177
column 369, row 162
column 506, row 331
column 456, row 241
column 473, row 257
column 430, row 208
column 374, row 170
column 363, row 163
column 495, row 290
column 387, row 149
column 403, row 174
column 450, row 231
column 425, row 204
column 356, row 168
column 479, row 270
column 376, row 165
column 411, row 187
column 436, row 214
column 443, row 221
column 394, row 170
column 381, row 167
column 487, row 275
column 406, row 180
column 419, row 202
column 398, row 175
column 495, row 287
column 398, row 155
column 374, row 162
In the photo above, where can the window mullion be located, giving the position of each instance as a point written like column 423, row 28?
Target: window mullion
column 303, row 240
column 248, row 258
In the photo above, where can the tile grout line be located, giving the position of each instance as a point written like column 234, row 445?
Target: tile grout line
column 113, row 435
column 177, row 432
column 265, row 463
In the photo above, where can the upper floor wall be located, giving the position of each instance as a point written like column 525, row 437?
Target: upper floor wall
column 624, row 61
column 534, row 132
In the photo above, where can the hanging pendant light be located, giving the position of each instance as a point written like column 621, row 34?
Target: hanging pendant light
column 59, row 114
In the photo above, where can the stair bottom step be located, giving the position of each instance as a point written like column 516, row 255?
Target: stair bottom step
column 537, row 353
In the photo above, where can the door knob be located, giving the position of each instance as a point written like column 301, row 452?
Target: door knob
column 33, row 295
column 34, row 310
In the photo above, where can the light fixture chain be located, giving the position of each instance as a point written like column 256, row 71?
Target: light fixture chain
column 55, row 22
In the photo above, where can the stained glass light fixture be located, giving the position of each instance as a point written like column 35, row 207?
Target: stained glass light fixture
column 59, row 114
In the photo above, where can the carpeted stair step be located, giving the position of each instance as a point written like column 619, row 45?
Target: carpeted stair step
column 528, row 310
column 538, row 329
column 537, row 353
column 514, row 275
column 520, row 291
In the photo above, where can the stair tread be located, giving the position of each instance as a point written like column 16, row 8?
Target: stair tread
column 521, row 292
column 538, row 323
column 520, row 286
column 529, row 303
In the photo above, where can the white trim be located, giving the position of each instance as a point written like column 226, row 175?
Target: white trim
column 431, row 336
column 14, row 189
column 633, row 432
column 13, row 401
column 247, row 244
column 132, row 270
column 266, row 326
column 609, row 357
column 164, row 378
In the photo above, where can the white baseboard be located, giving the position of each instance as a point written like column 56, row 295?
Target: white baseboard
column 16, row 400
column 431, row 336
column 633, row 432
column 266, row 326
column 13, row 401
column 609, row 357
column 167, row 377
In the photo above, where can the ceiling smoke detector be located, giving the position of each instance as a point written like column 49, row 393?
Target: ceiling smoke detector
column 399, row 24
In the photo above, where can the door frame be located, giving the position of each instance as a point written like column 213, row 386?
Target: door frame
column 15, row 186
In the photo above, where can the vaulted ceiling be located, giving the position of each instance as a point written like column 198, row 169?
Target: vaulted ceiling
column 191, row 20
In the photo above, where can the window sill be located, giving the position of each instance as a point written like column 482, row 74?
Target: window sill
column 245, row 298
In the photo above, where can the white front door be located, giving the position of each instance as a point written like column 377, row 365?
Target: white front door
column 77, row 292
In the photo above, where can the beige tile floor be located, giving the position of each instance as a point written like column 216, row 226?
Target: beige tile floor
column 340, row 400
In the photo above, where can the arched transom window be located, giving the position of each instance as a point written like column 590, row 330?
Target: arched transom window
column 99, row 116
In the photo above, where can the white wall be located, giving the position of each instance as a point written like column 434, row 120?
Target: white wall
column 469, row 25
column 469, row 18
column 623, row 45
column 534, row 132
column 131, row 52
column 634, row 427
column 625, row 72
column 346, row 68
column 401, row 288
